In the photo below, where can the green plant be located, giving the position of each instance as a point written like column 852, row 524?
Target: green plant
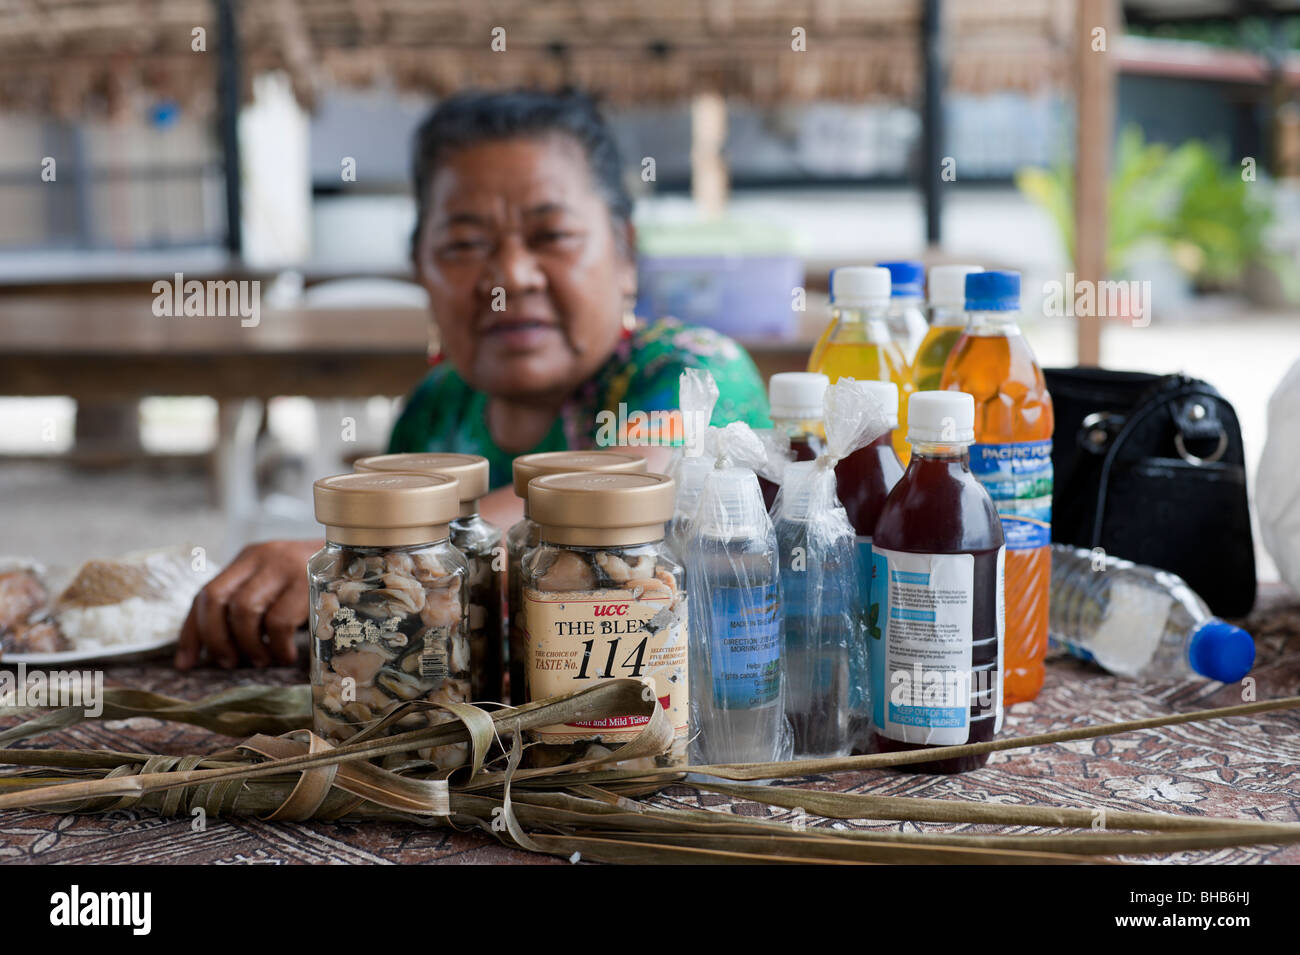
column 1185, row 198
column 1218, row 225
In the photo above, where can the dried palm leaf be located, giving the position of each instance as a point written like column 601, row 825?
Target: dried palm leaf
column 592, row 808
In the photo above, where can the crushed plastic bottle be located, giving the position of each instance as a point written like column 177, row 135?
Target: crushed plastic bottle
column 1140, row 622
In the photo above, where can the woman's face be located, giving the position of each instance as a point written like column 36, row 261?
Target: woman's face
column 525, row 276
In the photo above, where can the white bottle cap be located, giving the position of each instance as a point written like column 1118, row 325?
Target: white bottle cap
column 690, row 482
column 796, row 490
column 797, row 394
column 947, row 284
column 731, row 505
column 943, row 417
column 860, row 285
column 886, row 392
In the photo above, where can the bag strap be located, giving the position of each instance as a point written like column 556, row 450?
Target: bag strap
column 1195, row 416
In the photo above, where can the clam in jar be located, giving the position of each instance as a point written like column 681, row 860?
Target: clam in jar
column 484, row 549
column 523, row 535
column 603, row 599
column 386, row 612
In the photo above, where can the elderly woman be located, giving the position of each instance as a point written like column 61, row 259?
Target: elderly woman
column 524, row 242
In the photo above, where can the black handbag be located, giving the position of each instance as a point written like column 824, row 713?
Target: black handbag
column 1151, row 468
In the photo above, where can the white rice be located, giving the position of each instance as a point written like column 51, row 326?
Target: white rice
column 132, row 621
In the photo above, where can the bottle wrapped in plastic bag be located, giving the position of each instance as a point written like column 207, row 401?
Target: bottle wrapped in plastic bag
column 777, row 453
column 798, row 431
column 825, row 641
column 736, row 643
column 697, row 396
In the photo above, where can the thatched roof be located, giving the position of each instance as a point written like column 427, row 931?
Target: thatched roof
column 72, row 56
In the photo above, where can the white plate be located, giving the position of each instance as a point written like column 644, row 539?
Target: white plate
column 86, row 655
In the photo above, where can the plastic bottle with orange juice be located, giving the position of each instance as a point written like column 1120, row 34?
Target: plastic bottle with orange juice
column 946, row 289
column 857, row 343
column 1012, row 458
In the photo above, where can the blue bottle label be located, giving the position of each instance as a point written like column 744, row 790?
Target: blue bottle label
column 813, row 619
column 746, row 646
column 797, row 602
column 1018, row 477
column 868, row 614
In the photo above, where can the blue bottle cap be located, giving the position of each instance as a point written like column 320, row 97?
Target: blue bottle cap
column 907, row 278
column 993, row 292
column 1221, row 651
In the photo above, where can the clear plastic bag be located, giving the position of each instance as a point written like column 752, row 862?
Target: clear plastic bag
column 697, row 396
column 736, row 642
column 825, row 639
column 777, row 455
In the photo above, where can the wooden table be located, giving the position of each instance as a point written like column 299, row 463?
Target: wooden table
column 105, row 348
column 108, row 348
column 115, row 348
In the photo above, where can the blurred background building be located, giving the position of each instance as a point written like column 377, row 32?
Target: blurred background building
column 766, row 143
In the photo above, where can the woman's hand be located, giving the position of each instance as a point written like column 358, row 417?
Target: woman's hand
column 251, row 609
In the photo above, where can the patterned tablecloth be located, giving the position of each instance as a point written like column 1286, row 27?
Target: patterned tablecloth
column 1246, row 767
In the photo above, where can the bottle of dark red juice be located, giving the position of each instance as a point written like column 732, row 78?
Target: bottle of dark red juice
column 863, row 481
column 798, row 418
column 936, row 658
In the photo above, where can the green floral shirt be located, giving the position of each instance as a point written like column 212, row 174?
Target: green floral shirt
column 445, row 414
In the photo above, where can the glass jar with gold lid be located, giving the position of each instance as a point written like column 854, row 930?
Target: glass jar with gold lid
column 603, row 598
column 386, row 611
column 523, row 534
column 482, row 544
